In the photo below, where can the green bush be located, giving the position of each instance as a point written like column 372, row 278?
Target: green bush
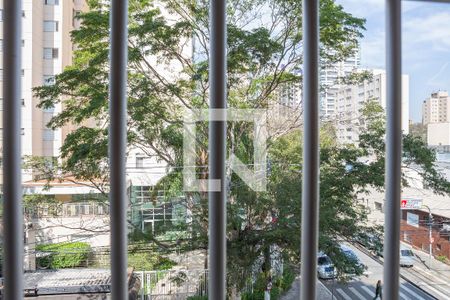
column 442, row 258
column 149, row 261
column 64, row 255
column 279, row 286
column 287, row 279
column 164, row 263
column 197, row 298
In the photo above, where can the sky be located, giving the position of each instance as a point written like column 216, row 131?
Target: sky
column 425, row 45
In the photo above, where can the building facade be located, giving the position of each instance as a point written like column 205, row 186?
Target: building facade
column 350, row 99
column 329, row 79
column 436, row 119
column 436, row 108
column 46, row 50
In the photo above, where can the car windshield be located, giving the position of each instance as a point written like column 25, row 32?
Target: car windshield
column 406, row 253
column 324, row 260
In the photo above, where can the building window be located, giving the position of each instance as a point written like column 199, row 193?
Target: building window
column 49, row 135
column 51, row 53
column 50, row 26
column 51, row 2
column 22, row 101
column 49, row 79
column 22, row 131
column 1, row 15
column 139, row 162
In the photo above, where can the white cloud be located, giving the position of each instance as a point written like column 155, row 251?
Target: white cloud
column 373, row 50
column 430, row 31
column 362, row 8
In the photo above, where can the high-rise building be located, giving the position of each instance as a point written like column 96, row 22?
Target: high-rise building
column 290, row 94
column 329, row 80
column 436, row 108
column 436, row 118
column 350, row 99
column 46, row 49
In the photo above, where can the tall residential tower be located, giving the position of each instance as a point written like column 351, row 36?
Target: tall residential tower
column 46, row 50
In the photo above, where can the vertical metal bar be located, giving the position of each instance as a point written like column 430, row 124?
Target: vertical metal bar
column 12, row 181
column 217, row 151
column 117, row 147
column 310, row 180
column 393, row 149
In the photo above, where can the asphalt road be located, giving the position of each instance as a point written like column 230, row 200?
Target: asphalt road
column 363, row 287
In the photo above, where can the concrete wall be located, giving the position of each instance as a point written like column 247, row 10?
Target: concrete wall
column 438, row 134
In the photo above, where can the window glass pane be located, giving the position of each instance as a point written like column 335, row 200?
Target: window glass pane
column 50, row 26
column 50, row 53
column 51, row 2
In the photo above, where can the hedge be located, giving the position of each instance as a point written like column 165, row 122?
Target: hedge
column 63, row 255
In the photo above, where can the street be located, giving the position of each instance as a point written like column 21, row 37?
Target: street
column 364, row 286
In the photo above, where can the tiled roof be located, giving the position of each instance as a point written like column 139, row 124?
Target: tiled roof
column 68, row 281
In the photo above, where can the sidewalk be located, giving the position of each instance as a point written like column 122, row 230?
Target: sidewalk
column 294, row 292
column 436, row 266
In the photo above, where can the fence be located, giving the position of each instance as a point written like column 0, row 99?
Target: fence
column 172, row 284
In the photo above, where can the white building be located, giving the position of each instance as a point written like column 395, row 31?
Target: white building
column 46, row 50
column 290, row 94
column 436, row 118
column 329, row 80
column 438, row 134
column 351, row 98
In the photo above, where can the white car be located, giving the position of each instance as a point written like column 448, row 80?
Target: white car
column 406, row 257
column 325, row 267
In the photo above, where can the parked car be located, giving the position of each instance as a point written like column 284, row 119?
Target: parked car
column 406, row 257
column 371, row 241
column 358, row 266
column 325, row 267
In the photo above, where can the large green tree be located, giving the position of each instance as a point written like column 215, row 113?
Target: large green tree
column 168, row 73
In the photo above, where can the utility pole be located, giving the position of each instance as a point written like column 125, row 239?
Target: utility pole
column 430, row 231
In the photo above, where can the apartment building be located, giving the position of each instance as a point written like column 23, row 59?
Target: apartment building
column 290, row 94
column 329, row 80
column 350, row 99
column 46, row 50
column 436, row 108
column 436, row 118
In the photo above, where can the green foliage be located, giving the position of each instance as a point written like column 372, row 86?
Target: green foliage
column 419, row 130
column 164, row 263
column 63, row 255
column 197, row 298
column 442, row 258
column 279, row 286
column 287, row 279
column 262, row 56
column 33, row 203
column 149, row 261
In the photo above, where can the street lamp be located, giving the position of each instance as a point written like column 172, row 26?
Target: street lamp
column 430, row 228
